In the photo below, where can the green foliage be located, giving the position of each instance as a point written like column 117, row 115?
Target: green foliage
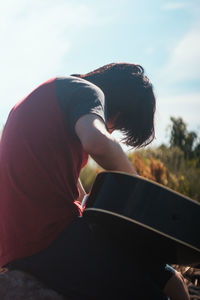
column 178, row 133
column 185, row 140
column 173, row 158
column 150, row 166
column 88, row 175
column 188, row 169
column 181, row 175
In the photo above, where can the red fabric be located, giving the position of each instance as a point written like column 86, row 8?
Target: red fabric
column 40, row 162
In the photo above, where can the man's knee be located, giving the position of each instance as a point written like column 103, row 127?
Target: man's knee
column 176, row 288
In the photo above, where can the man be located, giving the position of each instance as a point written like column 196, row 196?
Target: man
column 46, row 141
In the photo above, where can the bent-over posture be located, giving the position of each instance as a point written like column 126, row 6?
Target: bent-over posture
column 45, row 144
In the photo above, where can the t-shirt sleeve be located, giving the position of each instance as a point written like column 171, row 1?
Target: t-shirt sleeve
column 87, row 99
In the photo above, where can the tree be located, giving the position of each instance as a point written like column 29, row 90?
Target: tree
column 180, row 137
column 178, row 133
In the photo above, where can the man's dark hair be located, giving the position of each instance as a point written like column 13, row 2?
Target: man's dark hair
column 127, row 92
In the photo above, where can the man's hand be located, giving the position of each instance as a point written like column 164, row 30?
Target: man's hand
column 102, row 147
column 176, row 288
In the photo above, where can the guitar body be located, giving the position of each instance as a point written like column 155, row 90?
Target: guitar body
column 150, row 217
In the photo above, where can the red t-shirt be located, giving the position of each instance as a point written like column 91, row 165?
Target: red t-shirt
column 40, row 162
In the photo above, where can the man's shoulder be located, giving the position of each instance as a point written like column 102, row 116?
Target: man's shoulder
column 77, row 83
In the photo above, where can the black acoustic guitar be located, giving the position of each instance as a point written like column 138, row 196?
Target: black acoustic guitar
column 148, row 215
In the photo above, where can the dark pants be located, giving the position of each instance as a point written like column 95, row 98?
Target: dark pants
column 84, row 263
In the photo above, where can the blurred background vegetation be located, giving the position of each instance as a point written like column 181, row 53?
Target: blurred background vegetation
column 176, row 165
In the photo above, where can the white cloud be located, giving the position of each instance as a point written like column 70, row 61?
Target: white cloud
column 174, row 5
column 184, row 58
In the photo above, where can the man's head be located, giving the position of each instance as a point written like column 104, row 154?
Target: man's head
column 130, row 100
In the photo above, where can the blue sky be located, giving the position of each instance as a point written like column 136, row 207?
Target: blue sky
column 43, row 39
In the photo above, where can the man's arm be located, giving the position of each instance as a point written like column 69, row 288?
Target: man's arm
column 100, row 145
